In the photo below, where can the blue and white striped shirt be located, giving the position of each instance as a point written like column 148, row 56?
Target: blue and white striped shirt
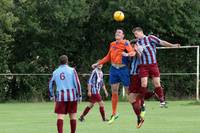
column 96, row 81
column 135, row 61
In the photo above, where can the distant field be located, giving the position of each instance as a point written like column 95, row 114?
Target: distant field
column 180, row 117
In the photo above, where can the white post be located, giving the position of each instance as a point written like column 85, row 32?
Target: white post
column 123, row 92
column 197, row 84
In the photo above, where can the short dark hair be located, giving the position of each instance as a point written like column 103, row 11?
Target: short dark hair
column 137, row 29
column 121, row 30
column 63, row 59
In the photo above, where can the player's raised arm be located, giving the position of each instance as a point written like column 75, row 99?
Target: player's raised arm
column 158, row 41
column 51, row 90
column 106, row 59
column 167, row 44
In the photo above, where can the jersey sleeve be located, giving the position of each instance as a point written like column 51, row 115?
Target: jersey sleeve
column 77, row 83
column 51, row 83
column 106, row 59
column 154, row 39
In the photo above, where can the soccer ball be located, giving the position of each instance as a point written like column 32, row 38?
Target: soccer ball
column 118, row 16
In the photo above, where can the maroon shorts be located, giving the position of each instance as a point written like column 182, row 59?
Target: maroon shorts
column 95, row 98
column 66, row 107
column 149, row 70
column 135, row 84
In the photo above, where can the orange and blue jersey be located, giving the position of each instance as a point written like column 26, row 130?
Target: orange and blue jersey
column 115, row 52
column 118, row 74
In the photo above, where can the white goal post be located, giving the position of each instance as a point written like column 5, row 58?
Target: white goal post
column 197, row 67
column 86, row 74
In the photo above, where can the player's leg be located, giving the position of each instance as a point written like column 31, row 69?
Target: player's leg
column 102, row 110
column 143, row 89
column 86, row 111
column 60, row 118
column 114, row 80
column 115, row 98
column 72, row 117
column 72, row 110
column 159, row 91
column 60, row 110
column 135, row 100
column 155, row 74
column 143, row 74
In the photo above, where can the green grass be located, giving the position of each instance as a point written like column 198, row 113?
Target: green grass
column 180, row 117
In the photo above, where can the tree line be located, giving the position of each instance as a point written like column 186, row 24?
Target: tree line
column 34, row 33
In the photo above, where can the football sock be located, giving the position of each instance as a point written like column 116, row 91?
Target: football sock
column 73, row 126
column 159, row 93
column 101, row 109
column 149, row 94
column 137, row 106
column 87, row 109
column 143, row 91
column 60, row 125
column 114, row 103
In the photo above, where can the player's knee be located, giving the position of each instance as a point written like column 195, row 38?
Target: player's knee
column 72, row 116
column 115, row 90
column 157, row 84
column 101, row 104
column 91, row 105
column 144, row 84
column 60, row 116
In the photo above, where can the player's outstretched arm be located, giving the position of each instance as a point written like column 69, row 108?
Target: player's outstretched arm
column 167, row 44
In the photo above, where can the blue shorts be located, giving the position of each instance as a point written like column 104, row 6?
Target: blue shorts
column 119, row 75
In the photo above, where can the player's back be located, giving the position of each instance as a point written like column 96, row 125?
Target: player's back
column 64, row 77
column 67, row 83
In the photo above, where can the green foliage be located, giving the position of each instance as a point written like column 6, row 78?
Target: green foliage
column 34, row 33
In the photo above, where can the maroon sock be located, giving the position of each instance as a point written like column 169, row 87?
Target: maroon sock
column 137, row 106
column 87, row 109
column 60, row 125
column 149, row 94
column 73, row 126
column 159, row 93
column 101, row 109
column 143, row 91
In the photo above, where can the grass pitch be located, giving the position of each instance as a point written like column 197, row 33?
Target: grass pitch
column 180, row 117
